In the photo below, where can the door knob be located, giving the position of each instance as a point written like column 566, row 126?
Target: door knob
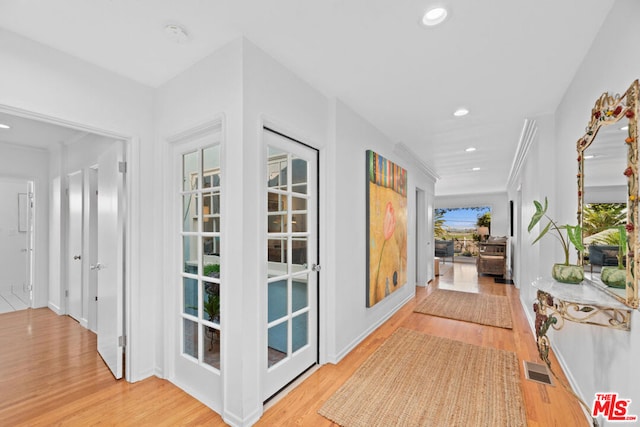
column 315, row 267
column 98, row 266
column 77, row 257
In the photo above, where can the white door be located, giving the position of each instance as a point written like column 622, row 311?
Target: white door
column 197, row 285
column 74, row 250
column 290, row 290
column 110, row 265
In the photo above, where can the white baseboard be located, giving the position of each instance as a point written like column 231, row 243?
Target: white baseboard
column 339, row 356
column 54, row 308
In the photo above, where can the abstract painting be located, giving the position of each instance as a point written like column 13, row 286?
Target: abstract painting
column 386, row 227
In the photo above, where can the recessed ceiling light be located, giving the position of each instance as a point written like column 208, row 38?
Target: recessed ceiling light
column 470, row 149
column 590, row 156
column 434, row 16
column 3, row 126
column 624, row 128
column 176, row 33
column 475, row 169
column 461, row 112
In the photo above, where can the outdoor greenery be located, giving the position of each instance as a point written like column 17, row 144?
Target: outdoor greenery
column 465, row 239
column 602, row 216
column 211, row 268
column 438, row 225
column 484, row 220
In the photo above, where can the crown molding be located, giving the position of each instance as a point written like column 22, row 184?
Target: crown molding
column 527, row 136
column 408, row 155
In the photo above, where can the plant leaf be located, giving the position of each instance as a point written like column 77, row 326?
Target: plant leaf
column 540, row 211
column 575, row 236
column 542, row 233
column 622, row 233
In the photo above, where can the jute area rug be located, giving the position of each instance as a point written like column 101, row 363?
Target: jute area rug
column 492, row 310
column 415, row 379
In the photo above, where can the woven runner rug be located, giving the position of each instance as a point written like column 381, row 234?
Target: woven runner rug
column 415, row 379
column 492, row 310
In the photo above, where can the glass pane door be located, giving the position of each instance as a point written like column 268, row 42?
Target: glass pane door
column 291, row 192
column 200, row 281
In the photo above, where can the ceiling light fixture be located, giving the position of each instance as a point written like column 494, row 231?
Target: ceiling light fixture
column 434, row 16
column 3, row 126
column 590, row 156
column 461, row 112
column 624, row 128
column 475, row 169
column 470, row 149
column 176, row 33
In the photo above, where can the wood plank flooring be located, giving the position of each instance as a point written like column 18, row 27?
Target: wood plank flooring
column 50, row 373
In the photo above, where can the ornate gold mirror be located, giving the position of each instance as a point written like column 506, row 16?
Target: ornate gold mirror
column 608, row 195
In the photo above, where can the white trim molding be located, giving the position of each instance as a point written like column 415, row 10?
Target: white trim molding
column 527, row 136
column 408, row 155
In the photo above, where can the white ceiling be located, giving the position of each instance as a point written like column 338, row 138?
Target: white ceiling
column 504, row 60
column 36, row 134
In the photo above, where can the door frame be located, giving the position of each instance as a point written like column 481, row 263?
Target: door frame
column 265, row 125
column 30, row 183
column 131, row 216
column 215, row 127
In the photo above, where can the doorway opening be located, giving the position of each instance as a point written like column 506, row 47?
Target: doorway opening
column 16, row 244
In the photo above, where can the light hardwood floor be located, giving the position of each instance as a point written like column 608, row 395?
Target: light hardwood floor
column 50, row 373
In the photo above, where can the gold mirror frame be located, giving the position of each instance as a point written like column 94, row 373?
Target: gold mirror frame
column 608, row 110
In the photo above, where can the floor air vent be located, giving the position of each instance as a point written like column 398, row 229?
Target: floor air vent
column 538, row 373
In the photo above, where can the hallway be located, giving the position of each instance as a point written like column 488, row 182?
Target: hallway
column 63, row 381
column 545, row 405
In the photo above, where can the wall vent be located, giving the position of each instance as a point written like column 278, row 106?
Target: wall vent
column 538, row 373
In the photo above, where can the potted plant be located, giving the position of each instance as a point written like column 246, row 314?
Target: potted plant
column 565, row 272
column 616, row 276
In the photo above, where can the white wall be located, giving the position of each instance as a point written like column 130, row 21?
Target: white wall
column 350, row 319
column 210, row 90
column 249, row 89
column 33, row 164
column 596, row 359
column 273, row 96
column 13, row 265
column 42, row 82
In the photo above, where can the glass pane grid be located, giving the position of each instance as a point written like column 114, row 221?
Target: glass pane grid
column 278, row 321
column 200, row 198
column 287, row 223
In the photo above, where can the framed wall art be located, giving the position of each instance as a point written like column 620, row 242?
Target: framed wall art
column 386, row 227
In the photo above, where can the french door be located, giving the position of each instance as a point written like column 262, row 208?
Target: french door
column 290, row 291
column 197, row 353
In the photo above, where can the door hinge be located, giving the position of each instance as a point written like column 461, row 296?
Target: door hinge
column 122, row 167
column 122, row 341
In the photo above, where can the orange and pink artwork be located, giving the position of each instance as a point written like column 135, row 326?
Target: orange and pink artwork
column 386, row 227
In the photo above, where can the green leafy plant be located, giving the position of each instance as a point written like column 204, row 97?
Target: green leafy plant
column 211, row 268
column 622, row 244
column 212, row 306
column 574, row 232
